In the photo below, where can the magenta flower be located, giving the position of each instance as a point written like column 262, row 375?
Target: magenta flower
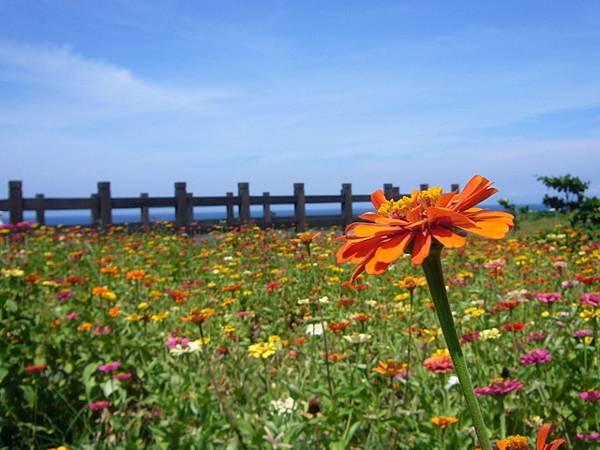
column 535, row 357
column 590, row 300
column 591, row 395
column 588, row 437
column 109, row 367
column 64, row 295
column 470, row 337
column 174, row 341
column 97, row 406
column 569, row 284
column 548, row 297
column 72, row 316
column 122, row 376
column 536, row 336
column 582, row 333
column 499, row 387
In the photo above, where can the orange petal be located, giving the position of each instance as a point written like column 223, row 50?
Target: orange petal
column 376, row 267
column 359, row 230
column 448, row 238
column 378, row 198
column 389, row 251
column 475, row 191
column 447, row 217
column 356, row 249
column 361, row 267
column 421, row 247
column 543, row 436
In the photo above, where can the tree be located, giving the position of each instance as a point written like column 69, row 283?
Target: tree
column 572, row 188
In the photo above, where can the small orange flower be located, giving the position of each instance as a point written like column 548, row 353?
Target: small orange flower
column 136, row 275
column 85, row 326
column 390, row 368
column 410, row 282
column 114, row 311
column 417, row 222
column 198, row 315
column 443, row 421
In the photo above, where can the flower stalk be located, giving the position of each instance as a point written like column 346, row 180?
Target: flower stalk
column 432, row 266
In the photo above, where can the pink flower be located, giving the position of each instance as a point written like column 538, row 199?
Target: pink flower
column 470, row 337
column 174, row 341
column 535, row 357
column 582, row 333
column 109, row 367
column 499, row 387
column 72, row 316
column 590, row 396
column 122, row 376
column 539, row 336
column 97, row 406
column 590, row 300
column 548, row 297
column 438, row 364
column 588, row 437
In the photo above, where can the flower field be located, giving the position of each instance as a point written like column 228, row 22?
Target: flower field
column 257, row 339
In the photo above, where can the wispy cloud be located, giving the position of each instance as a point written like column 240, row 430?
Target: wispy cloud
column 58, row 87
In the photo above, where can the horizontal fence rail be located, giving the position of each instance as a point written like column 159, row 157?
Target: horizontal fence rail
column 101, row 205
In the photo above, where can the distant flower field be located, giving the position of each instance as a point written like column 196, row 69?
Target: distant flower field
column 257, row 338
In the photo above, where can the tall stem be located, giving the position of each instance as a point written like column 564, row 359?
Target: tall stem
column 432, row 267
column 409, row 345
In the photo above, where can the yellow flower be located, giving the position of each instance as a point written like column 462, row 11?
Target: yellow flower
column 8, row 273
column 143, row 305
column 160, row 316
column 401, row 297
column 475, row 312
column 228, row 328
column 262, row 350
column 492, row 333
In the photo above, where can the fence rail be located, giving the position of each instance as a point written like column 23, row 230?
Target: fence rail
column 101, row 205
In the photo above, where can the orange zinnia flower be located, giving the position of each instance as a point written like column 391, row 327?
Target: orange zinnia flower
column 443, row 421
column 418, row 221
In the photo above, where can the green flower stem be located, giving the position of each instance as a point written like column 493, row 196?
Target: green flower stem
column 432, row 266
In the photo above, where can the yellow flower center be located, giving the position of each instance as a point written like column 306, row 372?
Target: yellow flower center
column 398, row 209
column 517, row 443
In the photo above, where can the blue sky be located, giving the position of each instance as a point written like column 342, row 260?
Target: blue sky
column 147, row 93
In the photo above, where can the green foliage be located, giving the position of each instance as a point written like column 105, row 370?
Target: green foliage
column 572, row 188
column 581, row 209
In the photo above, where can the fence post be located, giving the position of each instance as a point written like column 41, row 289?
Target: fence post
column 181, row 208
column 95, row 210
column 40, row 216
column 347, row 213
column 104, row 201
column 396, row 192
column 229, row 209
column 387, row 190
column 190, row 206
column 144, row 210
column 454, row 187
column 267, row 217
column 244, row 205
column 299, row 206
column 424, row 186
column 15, row 201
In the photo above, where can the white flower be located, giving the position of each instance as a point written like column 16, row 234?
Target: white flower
column 371, row 302
column 316, row 329
column 358, row 338
column 452, row 381
column 190, row 347
column 324, row 300
column 283, row 406
column 303, row 301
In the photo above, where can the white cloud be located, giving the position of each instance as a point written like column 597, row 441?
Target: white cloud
column 68, row 88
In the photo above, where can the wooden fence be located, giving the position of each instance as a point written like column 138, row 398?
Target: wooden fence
column 101, row 205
